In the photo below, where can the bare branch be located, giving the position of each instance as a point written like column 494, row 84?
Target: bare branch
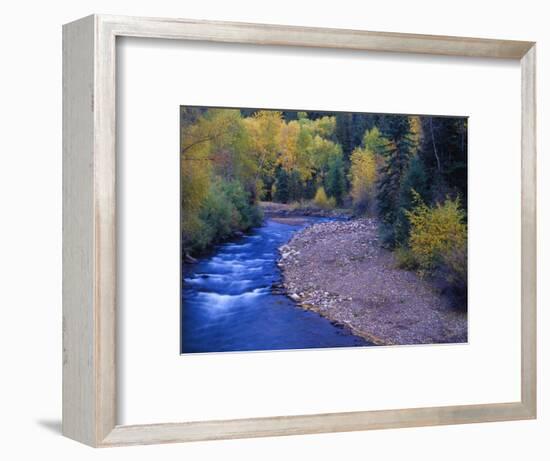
column 433, row 143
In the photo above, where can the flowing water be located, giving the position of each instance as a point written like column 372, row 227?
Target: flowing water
column 228, row 303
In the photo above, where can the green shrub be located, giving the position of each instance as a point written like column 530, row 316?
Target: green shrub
column 247, row 214
column 405, row 259
column 218, row 214
column 387, row 235
column 226, row 209
column 194, row 235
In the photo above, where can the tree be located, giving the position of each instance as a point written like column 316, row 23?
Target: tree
column 374, row 141
column 215, row 126
column 198, row 137
column 295, row 186
column 281, row 188
column 323, row 152
column 349, row 130
column 295, row 150
column 397, row 152
column 438, row 239
column 343, row 132
column 195, row 187
column 362, row 176
column 233, row 158
column 335, row 183
column 415, row 184
column 443, row 149
column 264, row 129
column 364, row 164
column 305, row 155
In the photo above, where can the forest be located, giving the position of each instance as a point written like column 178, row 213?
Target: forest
column 409, row 172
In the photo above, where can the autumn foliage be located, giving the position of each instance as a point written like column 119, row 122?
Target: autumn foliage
column 261, row 155
column 407, row 172
column 438, row 237
column 322, row 201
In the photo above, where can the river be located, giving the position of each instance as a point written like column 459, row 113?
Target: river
column 228, row 303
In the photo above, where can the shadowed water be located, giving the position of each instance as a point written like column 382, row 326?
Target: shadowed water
column 228, row 304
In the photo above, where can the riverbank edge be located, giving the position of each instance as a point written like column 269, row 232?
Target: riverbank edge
column 270, row 210
column 296, row 298
column 283, row 210
column 188, row 258
column 377, row 341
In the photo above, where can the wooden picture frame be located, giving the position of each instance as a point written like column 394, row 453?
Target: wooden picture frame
column 89, row 232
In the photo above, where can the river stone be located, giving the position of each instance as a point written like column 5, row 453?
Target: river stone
column 294, row 297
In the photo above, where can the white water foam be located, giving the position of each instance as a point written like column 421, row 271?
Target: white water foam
column 216, row 301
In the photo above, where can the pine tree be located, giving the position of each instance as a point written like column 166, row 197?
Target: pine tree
column 295, row 189
column 396, row 159
column 415, row 180
column 444, row 153
column 335, row 182
column 281, row 186
column 343, row 133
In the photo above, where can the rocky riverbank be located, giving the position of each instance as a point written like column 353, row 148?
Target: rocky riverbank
column 297, row 210
column 339, row 270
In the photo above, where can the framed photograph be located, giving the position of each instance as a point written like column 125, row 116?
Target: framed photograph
column 274, row 230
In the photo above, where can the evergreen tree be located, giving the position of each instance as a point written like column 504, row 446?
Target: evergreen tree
column 360, row 123
column 335, row 182
column 415, row 180
column 396, row 129
column 309, row 189
column 444, row 152
column 295, row 189
column 350, row 129
column 343, row 133
column 281, row 186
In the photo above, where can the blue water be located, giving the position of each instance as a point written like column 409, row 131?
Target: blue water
column 228, row 304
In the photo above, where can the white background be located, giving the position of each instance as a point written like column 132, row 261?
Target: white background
column 155, row 79
column 30, row 149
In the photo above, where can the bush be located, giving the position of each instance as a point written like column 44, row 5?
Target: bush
column 226, row 209
column 438, row 239
column 387, row 235
column 247, row 215
column 455, row 267
column 194, row 235
column 405, row 259
column 322, row 201
column 362, row 177
column 219, row 215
